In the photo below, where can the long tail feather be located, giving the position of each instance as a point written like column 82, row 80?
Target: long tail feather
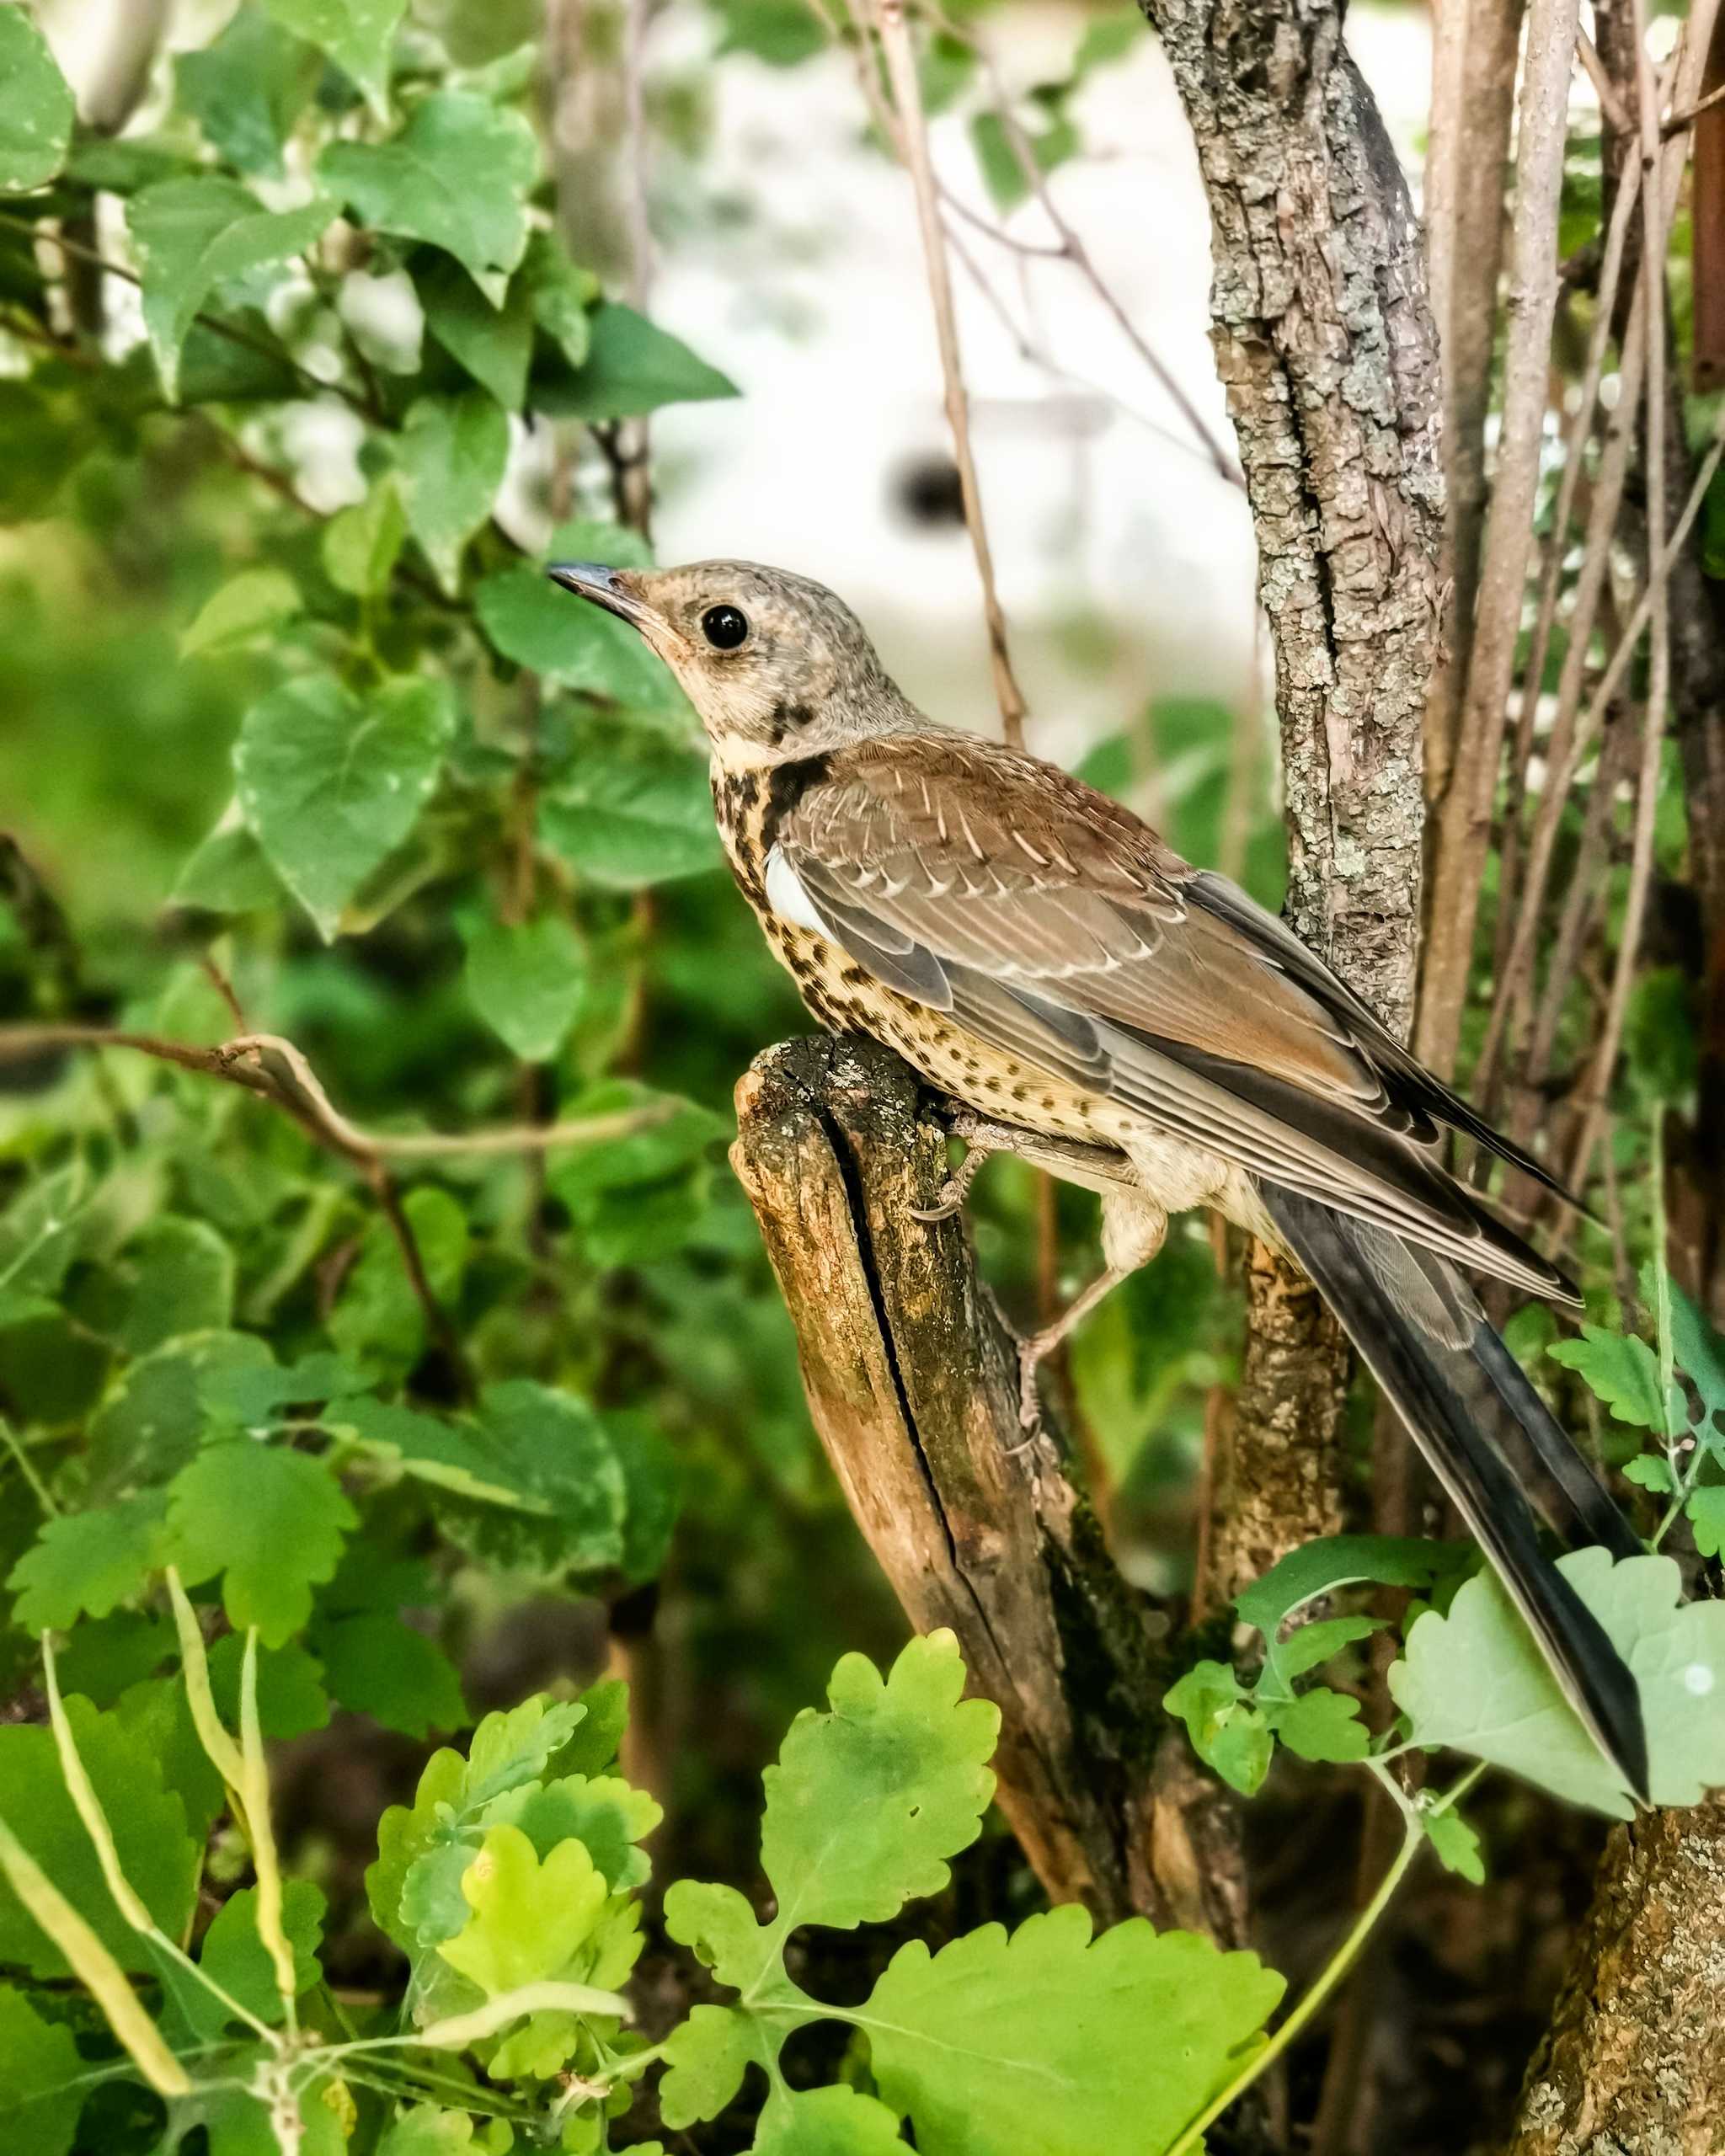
column 1418, row 1327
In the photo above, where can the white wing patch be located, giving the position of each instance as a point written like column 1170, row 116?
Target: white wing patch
column 786, row 897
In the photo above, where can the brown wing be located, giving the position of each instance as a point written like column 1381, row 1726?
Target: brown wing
column 1054, row 924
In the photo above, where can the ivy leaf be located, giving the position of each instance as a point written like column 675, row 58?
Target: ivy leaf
column 634, row 814
column 529, row 1919
column 42, row 2085
column 357, row 34
column 493, row 344
column 1621, row 1370
column 361, row 543
column 1475, row 1680
column 234, row 1956
column 271, row 1521
column 457, row 176
column 87, row 1562
column 374, row 1664
column 191, row 235
column 331, row 785
column 248, row 606
column 868, row 1802
column 37, row 113
column 156, row 1852
column 530, row 621
column 245, row 90
column 1035, row 2044
column 525, row 979
column 452, row 454
column 631, row 367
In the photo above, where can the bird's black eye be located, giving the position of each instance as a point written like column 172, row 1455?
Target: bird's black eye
column 724, row 627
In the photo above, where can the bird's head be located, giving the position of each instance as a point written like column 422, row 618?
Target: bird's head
column 776, row 666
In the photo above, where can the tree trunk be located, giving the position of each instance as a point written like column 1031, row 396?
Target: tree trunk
column 1634, row 2060
column 1325, row 343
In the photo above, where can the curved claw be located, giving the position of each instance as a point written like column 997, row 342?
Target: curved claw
column 950, row 1201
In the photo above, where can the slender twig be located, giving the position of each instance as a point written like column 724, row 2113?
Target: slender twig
column 901, row 73
column 1604, row 88
column 1691, row 112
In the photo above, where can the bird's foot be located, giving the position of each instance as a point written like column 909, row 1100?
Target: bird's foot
column 957, row 1186
column 1030, row 1355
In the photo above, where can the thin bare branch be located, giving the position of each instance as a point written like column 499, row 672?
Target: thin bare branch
column 901, row 73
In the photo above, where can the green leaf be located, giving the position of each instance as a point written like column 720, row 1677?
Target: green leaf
column 1337, row 1560
column 290, row 1695
column 235, row 1956
column 631, row 367
column 781, row 32
column 376, row 1665
column 1476, row 1681
column 1322, row 1725
column 156, row 1852
column 446, row 1455
column 247, row 90
column 1456, row 1843
column 835, row 2122
column 1699, row 1354
column 41, row 443
column 457, row 176
column 38, row 1235
column 253, row 1393
column 525, row 979
column 635, row 812
column 1649, row 1471
column 1225, row 1729
column 331, row 785
column 530, row 1919
column 150, row 1424
column 707, row 2057
column 178, row 1279
column 103, row 1656
column 361, row 543
column 493, row 344
column 635, row 1199
column 1707, row 1519
column 602, row 1813
column 868, row 1802
column 1107, row 38
column 379, row 1322
column 424, row 2130
column 191, row 235
column 271, row 1521
column 42, row 2085
column 229, row 873
column 1622, row 1371
column 357, row 34
column 452, row 454
column 562, row 294
column 550, row 1446
column 576, row 646
column 87, row 1562
column 37, row 113
column 1047, row 2044
column 247, row 607
column 1305, row 1649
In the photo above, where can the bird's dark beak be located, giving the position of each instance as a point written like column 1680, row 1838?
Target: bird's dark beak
column 592, row 580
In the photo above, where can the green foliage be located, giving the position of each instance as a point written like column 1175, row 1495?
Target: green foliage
column 36, row 108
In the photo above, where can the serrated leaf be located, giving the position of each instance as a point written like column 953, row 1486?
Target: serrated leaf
column 37, row 113
column 634, row 814
column 87, row 1562
column 156, row 1852
column 1475, row 1681
column 602, row 1813
column 42, row 2082
column 868, row 1802
column 1648, row 1471
column 360, row 544
column 233, row 1955
column 530, row 1919
column 631, row 367
column 525, row 979
column 1456, row 1843
column 245, row 90
column 376, row 1665
column 707, row 2057
column 493, row 344
column 194, row 234
column 331, row 785
column 248, row 606
column 530, row 621
column 357, row 34
column 457, row 176
column 1048, row 2044
column 271, row 1521
column 452, row 455
column 1619, row 1369
column 1322, row 1725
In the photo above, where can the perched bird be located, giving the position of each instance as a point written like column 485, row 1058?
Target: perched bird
column 1037, row 952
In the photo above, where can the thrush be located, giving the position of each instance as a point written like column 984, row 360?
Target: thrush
column 1036, row 951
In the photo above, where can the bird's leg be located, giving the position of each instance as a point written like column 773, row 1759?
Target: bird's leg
column 1133, row 1227
column 980, row 1141
column 1096, row 1167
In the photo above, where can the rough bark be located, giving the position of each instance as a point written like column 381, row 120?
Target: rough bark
column 1325, row 343
column 1634, row 2060
column 912, row 1382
